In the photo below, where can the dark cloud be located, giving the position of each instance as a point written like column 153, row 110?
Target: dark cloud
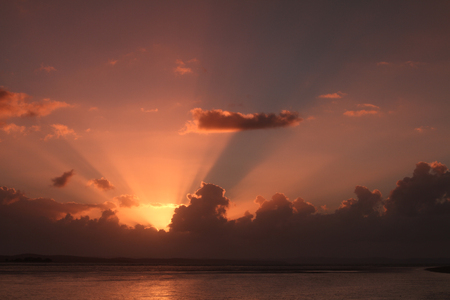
column 426, row 192
column 218, row 120
column 15, row 203
column 62, row 180
column 414, row 221
column 205, row 212
column 127, row 200
column 102, row 184
column 368, row 204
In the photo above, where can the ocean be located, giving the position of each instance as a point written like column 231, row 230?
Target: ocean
column 119, row 281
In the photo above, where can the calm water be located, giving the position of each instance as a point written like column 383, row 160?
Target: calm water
column 68, row 281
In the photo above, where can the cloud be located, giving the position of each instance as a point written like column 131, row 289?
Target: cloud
column 12, row 128
column 205, row 212
column 17, row 105
column 368, row 105
column 337, row 95
column 427, row 192
column 47, row 69
column 423, row 129
column 60, row 130
column 14, row 202
column 112, row 62
column 102, row 184
column 127, row 200
column 93, row 108
column 62, row 180
column 149, row 110
column 409, row 63
column 218, row 120
column 413, row 64
column 368, row 204
column 360, row 113
column 182, row 68
column 413, row 221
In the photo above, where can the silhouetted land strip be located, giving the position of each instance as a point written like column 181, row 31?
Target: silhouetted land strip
column 444, row 269
column 317, row 261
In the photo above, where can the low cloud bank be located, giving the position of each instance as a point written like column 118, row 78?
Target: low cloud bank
column 413, row 221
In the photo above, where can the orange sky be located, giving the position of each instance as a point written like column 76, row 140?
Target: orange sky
column 155, row 97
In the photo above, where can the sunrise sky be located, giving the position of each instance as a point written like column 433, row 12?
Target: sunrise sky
column 126, row 107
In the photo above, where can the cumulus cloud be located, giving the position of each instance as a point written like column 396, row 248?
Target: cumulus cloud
column 18, row 105
column 102, row 184
column 127, row 200
column 426, row 192
column 206, row 210
column 62, row 180
column 218, row 120
column 368, row 204
column 337, row 95
column 60, row 130
column 413, row 221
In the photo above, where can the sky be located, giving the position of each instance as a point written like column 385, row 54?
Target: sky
column 235, row 129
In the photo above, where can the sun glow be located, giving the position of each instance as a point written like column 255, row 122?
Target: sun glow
column 157, row 215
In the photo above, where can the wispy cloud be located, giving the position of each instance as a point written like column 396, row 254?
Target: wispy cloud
column 368, row 105
column 423, row 129
column 360, row 113
column 184, row 68
column 12, row 128
column 17, row 105
column 112, row 62
column 45, row 68
column 149, row 110
column 218, row 120
column 60, row 130
column 336, row 95
column 409, row 63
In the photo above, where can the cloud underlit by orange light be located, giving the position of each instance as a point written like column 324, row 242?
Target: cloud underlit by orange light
column 17, row 105
column 149, row 110
column 337, row 95
column 60, row 130
column 127, row 200
column 360, row 113
column 218, row 120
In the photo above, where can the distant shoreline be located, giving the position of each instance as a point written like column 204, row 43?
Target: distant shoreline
column 444, row 269
column 439, row 264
